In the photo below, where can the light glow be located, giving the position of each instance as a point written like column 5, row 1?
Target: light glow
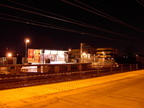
column 9, row 54
column 27, row 40
column 83, row 54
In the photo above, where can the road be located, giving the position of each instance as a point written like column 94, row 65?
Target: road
column 123, row 93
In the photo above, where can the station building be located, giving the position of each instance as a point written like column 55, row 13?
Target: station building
column 47, row 56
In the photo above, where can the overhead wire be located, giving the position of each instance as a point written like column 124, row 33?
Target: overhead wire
column 36, row 23
column 27, row 20
column 68, row 19
column 102, row 15
column 141, row 2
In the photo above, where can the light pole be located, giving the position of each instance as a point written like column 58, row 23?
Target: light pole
column 68, row 58
column 26, row 47
column 83, row 54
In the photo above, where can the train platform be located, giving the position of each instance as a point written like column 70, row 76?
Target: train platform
column 13, row 98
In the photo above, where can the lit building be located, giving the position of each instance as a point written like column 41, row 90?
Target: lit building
column 105, row 56
column 89, row 54
column 106, row 52
column 86, row 54
column 47, row 56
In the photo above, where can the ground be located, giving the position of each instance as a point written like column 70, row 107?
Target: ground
column 123, row 90
column 126, row 93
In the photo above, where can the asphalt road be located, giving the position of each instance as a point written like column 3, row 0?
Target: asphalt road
column 123, row 93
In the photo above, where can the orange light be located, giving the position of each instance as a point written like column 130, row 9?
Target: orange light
column 9, row 54
column 83, row 54
column 27, row 40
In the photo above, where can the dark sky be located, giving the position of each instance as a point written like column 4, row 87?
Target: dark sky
column 103, row 23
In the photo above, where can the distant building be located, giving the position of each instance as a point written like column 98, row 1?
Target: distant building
column 85, row 54
column 106, row 52
column 90, row 54
column 140, row 59
column 105, row 56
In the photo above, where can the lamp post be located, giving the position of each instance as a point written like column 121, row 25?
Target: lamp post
column 68, row 58
column 26, row 47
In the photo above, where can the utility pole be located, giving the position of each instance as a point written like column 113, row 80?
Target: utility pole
column 81, row 50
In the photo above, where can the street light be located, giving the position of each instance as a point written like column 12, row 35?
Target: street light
column 9, row 55
column 26, row 47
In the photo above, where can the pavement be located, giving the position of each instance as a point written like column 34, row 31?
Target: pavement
column 14, row 98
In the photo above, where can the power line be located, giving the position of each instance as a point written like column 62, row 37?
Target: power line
column 36, row 13
column 72, row 21
column 57, row 27
column 27, row 20
column 104, row 15
column 141, row 2
column 100, row 12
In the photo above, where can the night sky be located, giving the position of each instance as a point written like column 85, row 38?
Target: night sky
column 63, row 24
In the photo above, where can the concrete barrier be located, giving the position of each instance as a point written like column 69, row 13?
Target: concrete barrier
column 44, row 68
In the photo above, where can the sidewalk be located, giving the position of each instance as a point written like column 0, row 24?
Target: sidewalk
column 19, row 96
